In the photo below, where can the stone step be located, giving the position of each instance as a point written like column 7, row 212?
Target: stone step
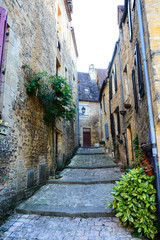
column 83, row 182
column 88, row 176
column 88, row 167
column 91, row 151
column 92, row 161
column 69, row 200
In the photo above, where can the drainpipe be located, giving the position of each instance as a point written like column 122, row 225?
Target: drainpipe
column 150, row 110
column 124, row 124
column 78, row 112
column 101, row 118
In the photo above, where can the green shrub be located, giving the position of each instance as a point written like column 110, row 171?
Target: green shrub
column 134, row 202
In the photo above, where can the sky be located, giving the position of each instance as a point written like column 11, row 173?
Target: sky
column 96, row 30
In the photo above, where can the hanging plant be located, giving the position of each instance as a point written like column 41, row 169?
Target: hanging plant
column 53, row 92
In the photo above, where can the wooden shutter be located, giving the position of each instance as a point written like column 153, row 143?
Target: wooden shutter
column 106, row 131
column 115, row 77
column 134, row 90
column 110, row 87
column 129, row 20
column 118, row 121
column 112, row 125
column 3, row 28
column 139, row 70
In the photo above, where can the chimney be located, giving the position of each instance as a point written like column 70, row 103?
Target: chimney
column 92, row 72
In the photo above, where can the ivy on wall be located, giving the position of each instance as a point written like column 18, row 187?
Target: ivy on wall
column 53, row 92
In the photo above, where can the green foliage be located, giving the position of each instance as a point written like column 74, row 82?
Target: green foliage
column 139, row 154
column 134, row 202
column 101, row 142
column 55, row 95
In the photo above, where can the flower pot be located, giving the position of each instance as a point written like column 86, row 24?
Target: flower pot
column 149, row 172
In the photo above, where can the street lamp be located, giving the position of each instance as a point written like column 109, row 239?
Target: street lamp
column 83, row 110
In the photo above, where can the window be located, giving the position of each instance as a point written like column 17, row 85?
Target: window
column 112, row 126
column 115, row 77
column 66, row 73
column 139, row 70
column 132, row 4
column 3, row 29
column 126, row 82
column 134, row 91
column 106, row 131
column 129, row 20
column 110, row 87
column 58, row 68
column 104, row 108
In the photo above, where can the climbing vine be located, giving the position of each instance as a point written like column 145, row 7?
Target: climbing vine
column 53, row 92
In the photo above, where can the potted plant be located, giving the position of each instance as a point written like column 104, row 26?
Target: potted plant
column 148, row 170
column 123, row 167
column 102, row 143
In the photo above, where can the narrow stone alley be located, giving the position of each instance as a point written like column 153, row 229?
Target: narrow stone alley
column 73, row 206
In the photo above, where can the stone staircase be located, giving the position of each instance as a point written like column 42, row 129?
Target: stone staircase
column 81, row 190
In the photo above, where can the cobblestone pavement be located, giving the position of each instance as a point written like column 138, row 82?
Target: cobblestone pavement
column 35, row 227
column 73, row 210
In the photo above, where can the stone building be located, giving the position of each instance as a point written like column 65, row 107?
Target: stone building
column 89, row 108
column 38, row 34
column 133, row 79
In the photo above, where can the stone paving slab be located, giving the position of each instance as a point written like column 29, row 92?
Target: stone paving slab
column 92, row 161
column 35, row 227
column 91, row 151
column 88, row 176
column 71, row 200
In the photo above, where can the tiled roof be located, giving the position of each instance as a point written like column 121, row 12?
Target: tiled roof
column 88, row 90
column 102, row 74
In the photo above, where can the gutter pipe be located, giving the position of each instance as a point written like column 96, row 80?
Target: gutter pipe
column 78, row 112
column 122, row 97
column 150, row 110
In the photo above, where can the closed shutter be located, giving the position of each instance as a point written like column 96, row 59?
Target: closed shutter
column 115, row 77
column 139, row 70
column 110, row 87
column 106, row 131
column 112, row 125
column 130, row 20
column 3, row 27
column 134, row 90
column 118, row 122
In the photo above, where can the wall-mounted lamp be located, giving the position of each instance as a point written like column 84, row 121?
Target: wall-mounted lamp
column 83, row 110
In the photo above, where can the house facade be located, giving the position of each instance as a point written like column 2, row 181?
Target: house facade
column 133, row 83
column 89, row 108
column 39, row 35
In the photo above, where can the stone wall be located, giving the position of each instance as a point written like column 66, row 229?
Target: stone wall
column 27, row 156
column 136, row 121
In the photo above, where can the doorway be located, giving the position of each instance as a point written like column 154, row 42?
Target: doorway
column 86, row 137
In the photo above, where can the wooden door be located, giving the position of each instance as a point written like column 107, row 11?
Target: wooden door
column 86, row 137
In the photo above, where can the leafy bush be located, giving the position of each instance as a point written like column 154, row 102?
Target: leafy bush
column 134, row 202
column 53, row 92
